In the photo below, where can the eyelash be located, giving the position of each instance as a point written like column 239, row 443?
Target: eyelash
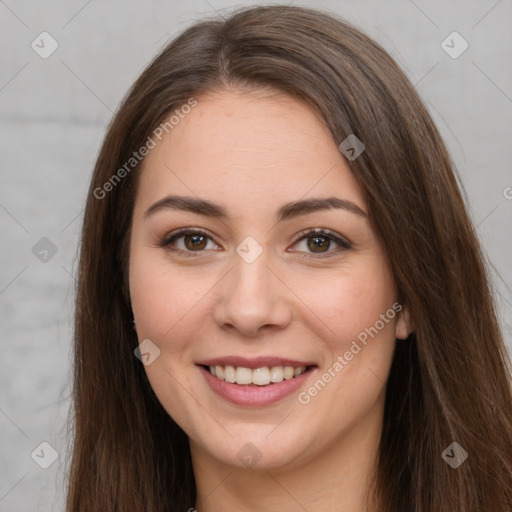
column 326, row 233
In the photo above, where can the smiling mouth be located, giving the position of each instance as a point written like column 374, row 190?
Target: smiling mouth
column 258, row 376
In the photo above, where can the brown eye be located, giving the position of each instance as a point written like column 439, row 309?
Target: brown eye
column 195, row 241
column 319, row 241
column 187, row 242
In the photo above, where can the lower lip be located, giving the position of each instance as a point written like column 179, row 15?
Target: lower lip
column 256, row 396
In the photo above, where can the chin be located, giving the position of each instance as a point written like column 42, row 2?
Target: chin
column 258, row 452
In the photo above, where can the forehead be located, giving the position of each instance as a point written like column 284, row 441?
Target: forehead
column 243, row 146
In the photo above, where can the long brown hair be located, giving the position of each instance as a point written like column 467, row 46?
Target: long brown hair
column 449, row 381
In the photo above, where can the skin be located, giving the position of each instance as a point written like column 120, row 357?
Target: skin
column 253, row 152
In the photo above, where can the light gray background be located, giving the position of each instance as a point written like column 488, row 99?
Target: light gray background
column 53, row 116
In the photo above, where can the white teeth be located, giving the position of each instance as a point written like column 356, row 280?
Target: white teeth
column 219, row 372
column 276, row 374
column 229, row 374
column 288, row 372
column 243, row 375
column 259, row 376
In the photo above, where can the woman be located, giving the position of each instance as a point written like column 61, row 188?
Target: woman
column 282, row 301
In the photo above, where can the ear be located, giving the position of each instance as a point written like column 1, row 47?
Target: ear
column 403, row 325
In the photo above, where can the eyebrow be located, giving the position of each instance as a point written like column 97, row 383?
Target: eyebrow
column 285, row 212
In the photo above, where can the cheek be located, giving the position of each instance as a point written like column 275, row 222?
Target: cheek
column 166, row 303
column 357, row 316
column 163, row 297
column 347, row 305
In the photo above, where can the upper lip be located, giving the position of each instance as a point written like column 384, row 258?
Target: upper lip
column 256, row 362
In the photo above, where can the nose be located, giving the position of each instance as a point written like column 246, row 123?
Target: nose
column 252, row 299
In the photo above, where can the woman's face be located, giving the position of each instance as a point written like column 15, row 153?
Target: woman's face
column 252, row 294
